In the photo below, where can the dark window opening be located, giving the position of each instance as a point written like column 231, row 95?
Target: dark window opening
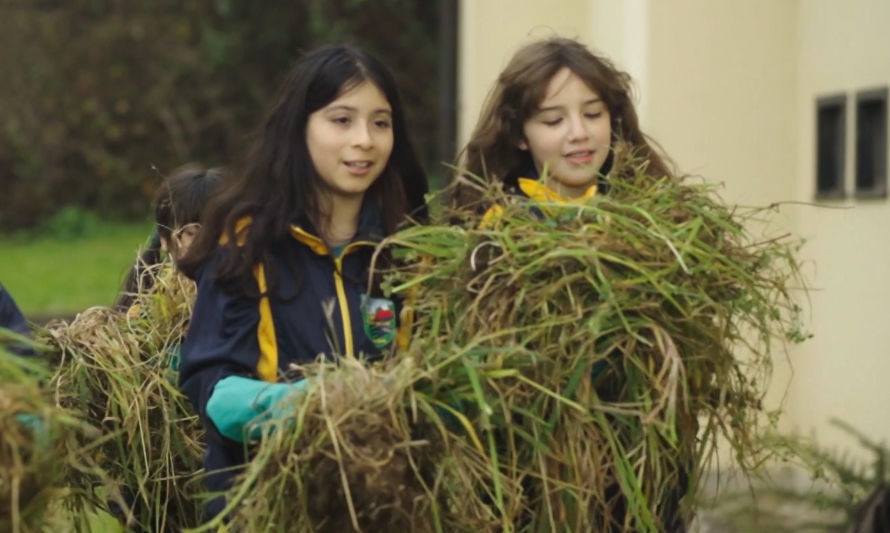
column 871, row 143
column 830, row 140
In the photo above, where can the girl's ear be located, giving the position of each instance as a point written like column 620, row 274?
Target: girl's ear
column 164, row 246
column 522, row 145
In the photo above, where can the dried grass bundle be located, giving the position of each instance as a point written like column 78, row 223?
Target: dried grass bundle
column 570, row 370
column 116, row 369
column 39, row 447
column 600, row 348
column 344, row 458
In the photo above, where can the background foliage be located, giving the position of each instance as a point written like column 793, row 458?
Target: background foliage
column 101, row 97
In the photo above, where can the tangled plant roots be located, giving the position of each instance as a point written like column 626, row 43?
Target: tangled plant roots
column 344, row 460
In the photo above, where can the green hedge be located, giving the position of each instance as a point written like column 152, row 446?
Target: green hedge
column 100, row 98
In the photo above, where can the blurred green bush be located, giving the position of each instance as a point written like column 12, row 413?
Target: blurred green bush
column 70, row 223
column 100, row 98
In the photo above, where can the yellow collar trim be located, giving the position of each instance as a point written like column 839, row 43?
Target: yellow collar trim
column 539, row 192
column 317, row 245
column 314, row 243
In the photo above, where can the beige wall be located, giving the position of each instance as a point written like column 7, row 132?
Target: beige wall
column 491, row 31
column 731, row 95
column 721, row 92
column 619, row 29
column 843, row 372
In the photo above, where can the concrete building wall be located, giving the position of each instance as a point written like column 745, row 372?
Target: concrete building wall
column 721, row 90
column 843, row 371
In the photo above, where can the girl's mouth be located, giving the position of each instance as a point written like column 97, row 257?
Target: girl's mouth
column 579, row 157
column 358, row 167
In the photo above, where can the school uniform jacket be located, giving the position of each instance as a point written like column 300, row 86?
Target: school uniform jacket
column 319, row 312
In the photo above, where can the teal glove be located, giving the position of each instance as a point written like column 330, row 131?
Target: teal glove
column 35, row 424
column 174, row 354
column 237, row 401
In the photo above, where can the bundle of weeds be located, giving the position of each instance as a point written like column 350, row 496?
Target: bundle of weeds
column 597, row 349
column 40, row 446
column 344, row 459
column 369, row 448
column 118, row 369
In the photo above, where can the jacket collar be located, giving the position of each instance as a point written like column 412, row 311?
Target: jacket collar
column 369, row 230
column 539, row 192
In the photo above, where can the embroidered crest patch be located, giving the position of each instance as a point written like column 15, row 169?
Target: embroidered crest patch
column 379, row 320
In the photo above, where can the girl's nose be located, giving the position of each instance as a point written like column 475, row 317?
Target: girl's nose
column 363, row 138
column 577, row 128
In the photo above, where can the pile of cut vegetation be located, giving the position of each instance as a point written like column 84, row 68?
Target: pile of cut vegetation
column 571, row 368
column 119, row 370
column 40, row 446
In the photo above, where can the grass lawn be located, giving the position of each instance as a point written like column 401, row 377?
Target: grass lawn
column 51, row 277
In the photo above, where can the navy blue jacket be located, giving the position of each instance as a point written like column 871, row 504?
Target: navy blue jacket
column 237, row 334
column 12, row 319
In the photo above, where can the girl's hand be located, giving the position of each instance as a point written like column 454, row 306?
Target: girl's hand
column 238, row 406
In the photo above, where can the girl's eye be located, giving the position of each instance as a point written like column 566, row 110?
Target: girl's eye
column 592, row 114
column 382, row 124
column 552, row 121
column 340, row 120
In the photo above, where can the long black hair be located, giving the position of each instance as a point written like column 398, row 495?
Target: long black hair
column 179, row 201
column 279, row 182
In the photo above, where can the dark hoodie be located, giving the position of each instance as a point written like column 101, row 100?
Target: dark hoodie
column 12, row 319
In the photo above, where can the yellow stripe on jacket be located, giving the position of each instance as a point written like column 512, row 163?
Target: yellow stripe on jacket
column 267, row 362
column 267, row 359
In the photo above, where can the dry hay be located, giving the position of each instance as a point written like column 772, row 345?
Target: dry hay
column 366, row 448
column 599, row 349
column 344, row 457
column 570, row 370
column 39, row 447
column 116, row 369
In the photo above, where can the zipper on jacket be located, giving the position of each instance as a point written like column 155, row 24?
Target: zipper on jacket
column 341, row 295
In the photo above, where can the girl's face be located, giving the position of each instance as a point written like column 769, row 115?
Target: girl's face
column 350, row 140
column 570, row 133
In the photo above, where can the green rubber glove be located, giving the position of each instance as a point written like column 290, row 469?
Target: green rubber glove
column 36, row 425
column 174, row 354
column 237, row 401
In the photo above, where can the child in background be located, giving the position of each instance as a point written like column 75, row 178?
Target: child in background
column 331, row 173
column 178, row 204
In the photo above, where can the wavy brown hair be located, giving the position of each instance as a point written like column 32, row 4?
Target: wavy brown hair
column 493, row 150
